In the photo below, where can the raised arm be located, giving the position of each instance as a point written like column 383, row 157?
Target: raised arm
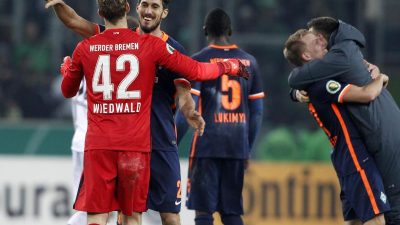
column 166, row 56
column 368, row 92
column 71, row 19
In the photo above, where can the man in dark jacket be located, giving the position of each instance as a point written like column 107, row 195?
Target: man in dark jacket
column 379, row 121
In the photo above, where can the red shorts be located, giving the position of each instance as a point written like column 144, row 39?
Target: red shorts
column 114, row 180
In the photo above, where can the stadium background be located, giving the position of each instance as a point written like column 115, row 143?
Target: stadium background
column 290, row 181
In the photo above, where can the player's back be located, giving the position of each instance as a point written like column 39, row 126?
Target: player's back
column 333, row 117
column 163, row 101
column 119, row 72
column 223, row 104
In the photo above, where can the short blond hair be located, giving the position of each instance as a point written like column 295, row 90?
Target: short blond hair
column 295, row 47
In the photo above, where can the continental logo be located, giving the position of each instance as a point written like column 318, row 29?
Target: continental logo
column 291, row 193
column 333, row 86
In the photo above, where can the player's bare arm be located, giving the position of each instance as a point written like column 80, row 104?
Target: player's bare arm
column 187, row 107
column 369, row 92
column 71, row 19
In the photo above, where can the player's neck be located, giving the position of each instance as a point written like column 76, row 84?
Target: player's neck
column 222, row 41
column 122, row 23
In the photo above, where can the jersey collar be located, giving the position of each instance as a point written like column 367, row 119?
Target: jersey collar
column 223, row 46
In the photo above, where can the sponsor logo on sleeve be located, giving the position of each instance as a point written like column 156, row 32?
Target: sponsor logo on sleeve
column 383, row 197
column 170, row 49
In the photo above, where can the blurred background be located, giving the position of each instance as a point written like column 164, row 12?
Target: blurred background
column 291, row 180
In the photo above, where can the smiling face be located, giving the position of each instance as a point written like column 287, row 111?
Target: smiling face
column 151, row 13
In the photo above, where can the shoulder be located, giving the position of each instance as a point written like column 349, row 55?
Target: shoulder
column 82, row 45
column 150, row 40
column 175, row 44
column 248, row 56
column 345, row 48
column 203, row 53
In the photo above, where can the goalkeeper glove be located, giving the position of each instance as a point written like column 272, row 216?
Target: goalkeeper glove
column 234, row 67
column 65, row 66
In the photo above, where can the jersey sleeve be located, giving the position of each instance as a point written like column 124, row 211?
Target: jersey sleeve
column 196, row 87
column 71, row 81
column 171, row 59
column 179, row 79
column 256, row 91
column 328, row 90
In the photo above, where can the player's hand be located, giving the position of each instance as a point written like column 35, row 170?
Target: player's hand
column 302, row 96
column 196, row 121
column 385, row 80
column 234, row 67
column 51, row 3
column 65, row 65
column 373, row 69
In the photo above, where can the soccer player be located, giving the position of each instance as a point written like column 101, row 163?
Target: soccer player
column 379, row 121
column 232, row 109
column 165, row 180
column 119, row 68
column 362, row 191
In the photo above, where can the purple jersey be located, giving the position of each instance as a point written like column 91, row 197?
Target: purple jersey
column 349, row 153
column 163, row 131
column 354, row 165
column 224, row 105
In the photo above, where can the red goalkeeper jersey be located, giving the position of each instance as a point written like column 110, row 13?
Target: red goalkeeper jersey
column 119, row 68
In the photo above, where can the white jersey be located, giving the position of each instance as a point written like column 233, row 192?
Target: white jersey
column 79, row 116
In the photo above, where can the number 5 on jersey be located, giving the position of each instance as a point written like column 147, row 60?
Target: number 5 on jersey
column 106, row 86
column 231, row 93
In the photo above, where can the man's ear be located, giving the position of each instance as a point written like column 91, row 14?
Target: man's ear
column 306, row 57
column 164, row 13
column 98, row 13
column 205, row 31
column 127, row 8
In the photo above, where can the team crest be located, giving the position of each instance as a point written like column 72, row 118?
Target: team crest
column 333, row 86
column 170, row 49
column 383, row 197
